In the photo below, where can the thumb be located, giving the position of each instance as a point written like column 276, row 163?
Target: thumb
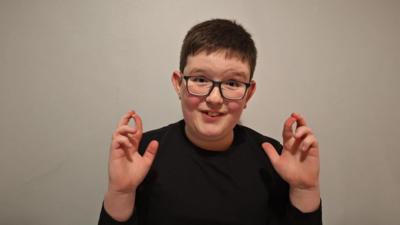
column 271, row 152
column 151, row 152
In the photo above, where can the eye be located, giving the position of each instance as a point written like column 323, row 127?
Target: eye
column 199, row 79
column 233, row 83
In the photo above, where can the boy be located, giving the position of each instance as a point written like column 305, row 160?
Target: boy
column 207, row 169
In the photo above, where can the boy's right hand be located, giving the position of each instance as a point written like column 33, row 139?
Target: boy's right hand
column 126, row 167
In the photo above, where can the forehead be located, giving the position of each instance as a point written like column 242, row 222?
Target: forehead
column 217, row 64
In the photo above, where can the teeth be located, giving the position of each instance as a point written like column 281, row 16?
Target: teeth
column 213, row 114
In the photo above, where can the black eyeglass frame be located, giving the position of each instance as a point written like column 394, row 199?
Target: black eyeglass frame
column 218, row 84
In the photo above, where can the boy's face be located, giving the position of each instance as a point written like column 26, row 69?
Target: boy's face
column 212, row 118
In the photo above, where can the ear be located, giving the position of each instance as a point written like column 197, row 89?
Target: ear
column 250, row 92
column 176, row 80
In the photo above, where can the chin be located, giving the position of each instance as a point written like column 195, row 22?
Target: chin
column 212, row 134
column 213, row 131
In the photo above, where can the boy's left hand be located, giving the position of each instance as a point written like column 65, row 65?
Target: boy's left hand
column 298, row 164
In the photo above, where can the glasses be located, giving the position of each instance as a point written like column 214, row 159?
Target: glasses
column 229, row 89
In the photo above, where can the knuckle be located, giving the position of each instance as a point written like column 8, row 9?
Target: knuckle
column 124, row 138
column 287, row 146
column 114, row 136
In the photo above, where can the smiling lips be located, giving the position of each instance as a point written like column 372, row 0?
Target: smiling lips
column 212, row 114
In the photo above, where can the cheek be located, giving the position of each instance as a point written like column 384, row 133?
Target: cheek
column 235, row 108
column 190, row 103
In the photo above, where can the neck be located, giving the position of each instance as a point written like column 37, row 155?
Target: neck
column 220, row 144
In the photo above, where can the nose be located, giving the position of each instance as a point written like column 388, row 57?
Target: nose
column 215, row 96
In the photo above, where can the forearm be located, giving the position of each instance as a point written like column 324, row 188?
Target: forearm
column 118, row 205
column 306, row 200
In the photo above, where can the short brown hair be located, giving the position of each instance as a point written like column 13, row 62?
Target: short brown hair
column 219, row 35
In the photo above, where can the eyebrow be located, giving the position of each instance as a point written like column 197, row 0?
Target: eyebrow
column 231, row 73
column 197, row 70
column 239, row 74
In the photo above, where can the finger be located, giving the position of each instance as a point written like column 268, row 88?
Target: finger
column 151, row 152
column 302, row 131
column 125, row 119
column 299, row 119
column 122, row 142
column 138, row 124
column 308, row 142
column 125, row 130
column 287, row 132
column 128, row 133
column 271, row 152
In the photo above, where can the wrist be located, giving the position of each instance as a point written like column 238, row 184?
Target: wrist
column 306, row 200
column 112, row 189
column 119, row 205
column 119, row 194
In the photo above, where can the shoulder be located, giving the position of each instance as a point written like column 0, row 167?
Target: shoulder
column 157, row 133
column 160, row 134
column 256, row 137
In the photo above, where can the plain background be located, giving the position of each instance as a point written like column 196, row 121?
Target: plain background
column 70, row 69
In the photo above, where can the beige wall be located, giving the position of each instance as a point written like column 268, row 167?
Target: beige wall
column 69, row 69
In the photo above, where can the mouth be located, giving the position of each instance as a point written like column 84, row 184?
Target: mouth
column 212, row 114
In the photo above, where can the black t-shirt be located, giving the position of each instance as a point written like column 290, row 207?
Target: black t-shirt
column 189, row 185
